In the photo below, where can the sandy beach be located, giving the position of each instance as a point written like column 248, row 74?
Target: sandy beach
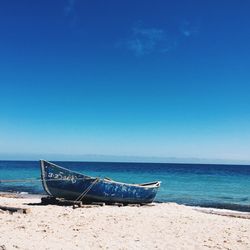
column 159, row 226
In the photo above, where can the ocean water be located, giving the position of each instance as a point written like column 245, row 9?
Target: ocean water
column 218, row 186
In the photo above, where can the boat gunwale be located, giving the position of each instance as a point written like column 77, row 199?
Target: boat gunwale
column 153, row 184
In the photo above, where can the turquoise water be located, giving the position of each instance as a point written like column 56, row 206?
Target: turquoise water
column 221, row 186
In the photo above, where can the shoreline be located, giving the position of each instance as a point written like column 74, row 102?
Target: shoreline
column 159, row 226
column 209, row 210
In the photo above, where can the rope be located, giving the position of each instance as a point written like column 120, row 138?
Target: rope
column 39, row 180
column 79, row 198
column 19, row 180
column 84, row 193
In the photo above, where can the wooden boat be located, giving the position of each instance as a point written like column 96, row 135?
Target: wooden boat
column 60, row 182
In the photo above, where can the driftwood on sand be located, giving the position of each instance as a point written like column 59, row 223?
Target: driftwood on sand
column 15, row 209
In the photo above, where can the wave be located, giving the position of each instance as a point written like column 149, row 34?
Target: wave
column 229, row 206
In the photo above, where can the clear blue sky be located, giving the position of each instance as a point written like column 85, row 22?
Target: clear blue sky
column 130, row 78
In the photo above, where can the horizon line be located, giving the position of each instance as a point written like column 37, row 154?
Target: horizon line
column 119, row 158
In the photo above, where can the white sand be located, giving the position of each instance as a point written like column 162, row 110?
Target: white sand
column 163, row 226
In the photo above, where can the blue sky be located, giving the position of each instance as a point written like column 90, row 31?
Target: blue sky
column 125, row 78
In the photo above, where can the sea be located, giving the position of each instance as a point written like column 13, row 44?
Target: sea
column 203, row 185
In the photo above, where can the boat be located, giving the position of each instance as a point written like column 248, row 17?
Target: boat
column 60, row 182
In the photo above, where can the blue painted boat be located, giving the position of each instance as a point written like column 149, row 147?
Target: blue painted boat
column 60, row 182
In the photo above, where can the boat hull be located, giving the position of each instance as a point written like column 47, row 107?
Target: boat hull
column 63, row 183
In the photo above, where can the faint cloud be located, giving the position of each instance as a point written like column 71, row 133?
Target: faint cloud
column 147, row 40
column 69, row 7
column 187, row 29
column 150, row 33
column 70, row 13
